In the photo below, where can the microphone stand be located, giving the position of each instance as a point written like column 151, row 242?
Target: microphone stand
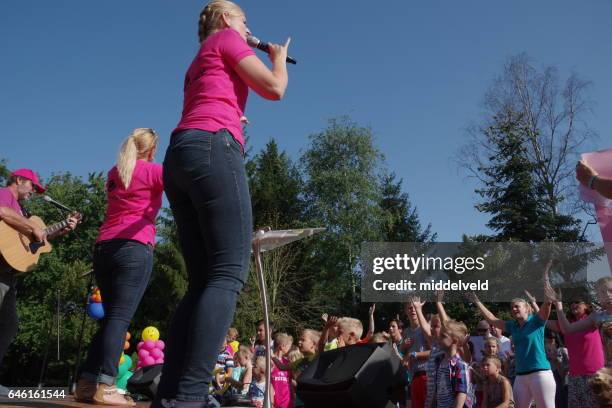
column 77, row 363
column 266, row 240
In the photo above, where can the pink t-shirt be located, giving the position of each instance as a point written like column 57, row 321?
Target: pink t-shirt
column 281, row 383
column 215, row 96
column 7, row 199
column 131, row 213
column 585, row 351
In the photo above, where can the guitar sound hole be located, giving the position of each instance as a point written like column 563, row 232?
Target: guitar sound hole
column 34, row 246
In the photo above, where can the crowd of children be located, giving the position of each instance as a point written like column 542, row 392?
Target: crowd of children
column 552, row 363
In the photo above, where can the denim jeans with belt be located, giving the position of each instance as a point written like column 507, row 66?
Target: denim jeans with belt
column 123, row 269
column 206, row 184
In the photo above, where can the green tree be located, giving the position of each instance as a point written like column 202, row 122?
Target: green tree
column 553, row 127
column 509, row 189
column 275, row 185
column 341, row 168
column 401, row 219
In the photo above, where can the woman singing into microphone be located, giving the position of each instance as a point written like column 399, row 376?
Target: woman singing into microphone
column 206, row 185
column 122, row 262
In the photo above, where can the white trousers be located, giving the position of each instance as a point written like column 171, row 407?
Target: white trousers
column 539, row 387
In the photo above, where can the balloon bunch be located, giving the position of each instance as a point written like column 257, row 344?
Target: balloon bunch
column 151, row 348
column 95, row 308
column 125, row 363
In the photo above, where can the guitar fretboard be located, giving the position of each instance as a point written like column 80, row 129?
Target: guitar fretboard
column 56, row 227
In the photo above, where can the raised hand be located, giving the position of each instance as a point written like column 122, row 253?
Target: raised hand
column 549, row 293
column 531, row 298
column 471, row 296
column 584, row 173
column 331, row 321
column 372, row 309
column 416, row 302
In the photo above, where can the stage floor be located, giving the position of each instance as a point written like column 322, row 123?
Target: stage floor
column 49, row 403
column 69, row 402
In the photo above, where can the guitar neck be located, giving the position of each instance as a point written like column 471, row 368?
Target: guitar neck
column 56, row 227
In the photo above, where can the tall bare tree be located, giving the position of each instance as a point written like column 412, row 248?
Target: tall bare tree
column 554, row 114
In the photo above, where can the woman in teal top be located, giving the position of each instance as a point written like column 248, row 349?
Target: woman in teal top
column 534, row 378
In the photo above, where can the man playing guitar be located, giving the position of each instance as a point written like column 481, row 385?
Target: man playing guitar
column 21, row 186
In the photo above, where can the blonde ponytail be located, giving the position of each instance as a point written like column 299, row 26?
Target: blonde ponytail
column 138, row 145
column 210, row 18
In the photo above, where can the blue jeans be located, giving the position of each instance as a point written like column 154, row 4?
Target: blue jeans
column 123, row 269
column 206, row 184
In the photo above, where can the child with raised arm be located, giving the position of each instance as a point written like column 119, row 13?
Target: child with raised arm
column 329, row 335
column 414, row 344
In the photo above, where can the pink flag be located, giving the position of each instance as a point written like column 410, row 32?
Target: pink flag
column 601, row 162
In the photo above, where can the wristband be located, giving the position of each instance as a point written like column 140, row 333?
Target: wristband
column 591, row 181
column 413, row 354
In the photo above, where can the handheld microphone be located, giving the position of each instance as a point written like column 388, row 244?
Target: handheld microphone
column 55, row 203
column 265, row 47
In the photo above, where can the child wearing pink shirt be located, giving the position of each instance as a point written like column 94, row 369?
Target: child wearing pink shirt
column 281, row 379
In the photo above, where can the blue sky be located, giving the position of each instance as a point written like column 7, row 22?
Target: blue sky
column 76, row 77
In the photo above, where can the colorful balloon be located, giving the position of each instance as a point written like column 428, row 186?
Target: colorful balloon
column 157, row 353
column 149, row 345
column 142, row 354
column 160, row 344
column 95, row 310
column 150, row 333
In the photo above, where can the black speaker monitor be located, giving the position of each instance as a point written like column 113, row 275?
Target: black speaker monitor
column 145, row 380
column 359, row 376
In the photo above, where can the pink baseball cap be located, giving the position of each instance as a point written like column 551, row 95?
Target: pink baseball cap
column 30, row 175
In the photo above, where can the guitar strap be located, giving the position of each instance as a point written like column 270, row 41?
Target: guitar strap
column 25, row 212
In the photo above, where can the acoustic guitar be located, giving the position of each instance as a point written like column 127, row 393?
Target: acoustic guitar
column 19, row 251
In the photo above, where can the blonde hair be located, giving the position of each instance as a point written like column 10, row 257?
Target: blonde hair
column 282, row 338
column 245, row 352
column 352, row 325
column 492, row 340
column 378, row 337
column 457, row 330
column 314, row 335
column 494, row 360
column 294, row 354
column 210, row 17
column 521, row 300
column 138, row 145
column 260, row 362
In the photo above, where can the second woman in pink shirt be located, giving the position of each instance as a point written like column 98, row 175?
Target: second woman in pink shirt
column 123, row 261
